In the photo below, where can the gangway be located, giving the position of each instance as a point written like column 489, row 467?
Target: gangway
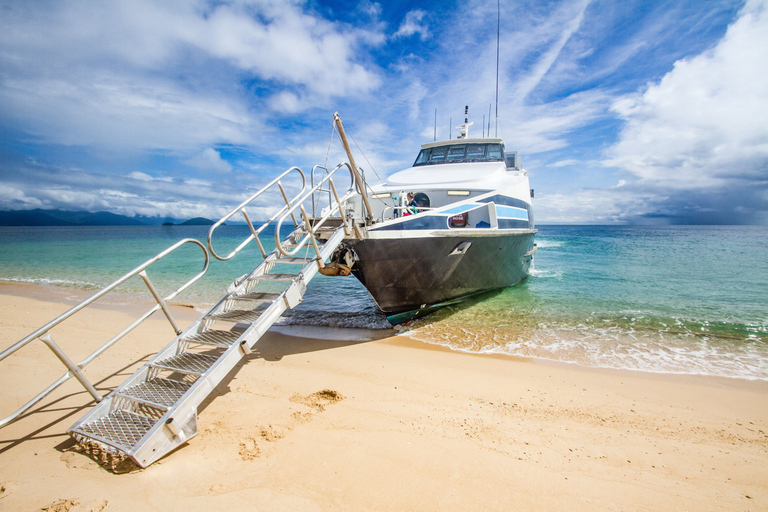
column 155, row 410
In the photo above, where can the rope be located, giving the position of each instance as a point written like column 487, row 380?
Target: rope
column 367, row 161
column 330, row 141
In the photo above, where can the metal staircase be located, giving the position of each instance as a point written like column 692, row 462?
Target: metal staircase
column 155, row 410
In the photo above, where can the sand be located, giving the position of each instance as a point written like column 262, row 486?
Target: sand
column 319, row 419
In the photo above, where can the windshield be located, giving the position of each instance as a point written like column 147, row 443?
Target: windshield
column 457, row 153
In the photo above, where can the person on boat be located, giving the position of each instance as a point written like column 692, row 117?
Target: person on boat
column 410, row 205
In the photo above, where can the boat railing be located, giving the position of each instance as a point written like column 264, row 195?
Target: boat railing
column 323, row 212
column 399, row 211
column 75, row 370
column 255, row 232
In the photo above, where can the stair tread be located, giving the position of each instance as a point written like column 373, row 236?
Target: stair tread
column 257, row 296
column 163, row 392
column 238, row 315
column 274, row 277
column 188, row 362
column 120, row 427
column 291, row 260
column 215, row 337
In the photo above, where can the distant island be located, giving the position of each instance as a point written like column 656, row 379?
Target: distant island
column 39, row 217
column 197, row 221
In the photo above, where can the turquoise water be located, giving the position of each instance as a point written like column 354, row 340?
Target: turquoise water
column 677, row 299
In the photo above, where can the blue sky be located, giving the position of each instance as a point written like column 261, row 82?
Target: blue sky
column 622, row 111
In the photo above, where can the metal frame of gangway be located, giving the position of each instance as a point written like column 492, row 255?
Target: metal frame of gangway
column 117, row 428
column 74, row 370
column 289, row 210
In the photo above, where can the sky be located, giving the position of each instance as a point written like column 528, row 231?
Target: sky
column 622, row 111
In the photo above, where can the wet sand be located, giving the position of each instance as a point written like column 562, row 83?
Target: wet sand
column 319, row 419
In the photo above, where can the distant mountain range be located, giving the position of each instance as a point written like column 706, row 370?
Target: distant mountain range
column 64, row 218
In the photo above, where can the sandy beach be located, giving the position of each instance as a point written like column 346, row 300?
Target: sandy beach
column 321, row 419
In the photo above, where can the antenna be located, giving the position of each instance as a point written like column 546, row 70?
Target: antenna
column 450, row 125
column 498, row 36
column 489, row 120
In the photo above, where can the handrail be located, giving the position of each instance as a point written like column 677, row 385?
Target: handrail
column 404, row 208
column 256, row 232
column 309, row 226
column 43, row 333
column 316, row 198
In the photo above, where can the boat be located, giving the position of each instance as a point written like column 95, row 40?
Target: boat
column 457, row 223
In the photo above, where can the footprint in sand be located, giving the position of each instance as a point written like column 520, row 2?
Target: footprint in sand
column 77, row 460
column 318, row 400
column 61, row 505
column 74, row 505
column 271, row 434
column 249, row 449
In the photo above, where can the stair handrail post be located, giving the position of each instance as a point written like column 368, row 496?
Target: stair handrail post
column 72, row 367
column 287, row 203
column 312, row 237
column 358, row 180
column 254, row 232
column 300, row 202
column 240, row 208
column 316, row 198
column 143, row 275
column 341, row 213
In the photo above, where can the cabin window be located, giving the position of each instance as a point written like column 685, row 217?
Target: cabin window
column 423, row 157
column 475, row 152
column 456, row 153
column 494, row 152
column 438, row 155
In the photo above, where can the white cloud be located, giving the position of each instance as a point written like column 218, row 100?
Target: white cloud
column 138, row 175
column 592, row 206
column 209, row 160
column 286, row 102
column 289, row 46
column 169, row 75
column 13, row 197
column 704, row 124
column 565, row 25
column 564, row 163
column 413, row 23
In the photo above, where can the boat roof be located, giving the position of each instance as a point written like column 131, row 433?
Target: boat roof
column 461, row 141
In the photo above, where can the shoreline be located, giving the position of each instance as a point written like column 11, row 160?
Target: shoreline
column 189, row 312
column 315, row 420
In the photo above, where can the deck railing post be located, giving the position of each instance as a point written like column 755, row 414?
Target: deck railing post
column 72, row 367
column 160, row 301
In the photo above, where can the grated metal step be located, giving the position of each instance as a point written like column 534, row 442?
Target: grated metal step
column 187, row 363
column 215, row 337
column 294, row 261
column 238, row 315
column 274, row 277
column 159, row 392
column 257, row 296
column 120, row 427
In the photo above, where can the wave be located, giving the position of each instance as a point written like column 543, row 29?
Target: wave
column 543, row 243
column 52, row 282
column 633, row 343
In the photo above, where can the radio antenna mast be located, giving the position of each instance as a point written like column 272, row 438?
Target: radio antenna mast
column 498, row 36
